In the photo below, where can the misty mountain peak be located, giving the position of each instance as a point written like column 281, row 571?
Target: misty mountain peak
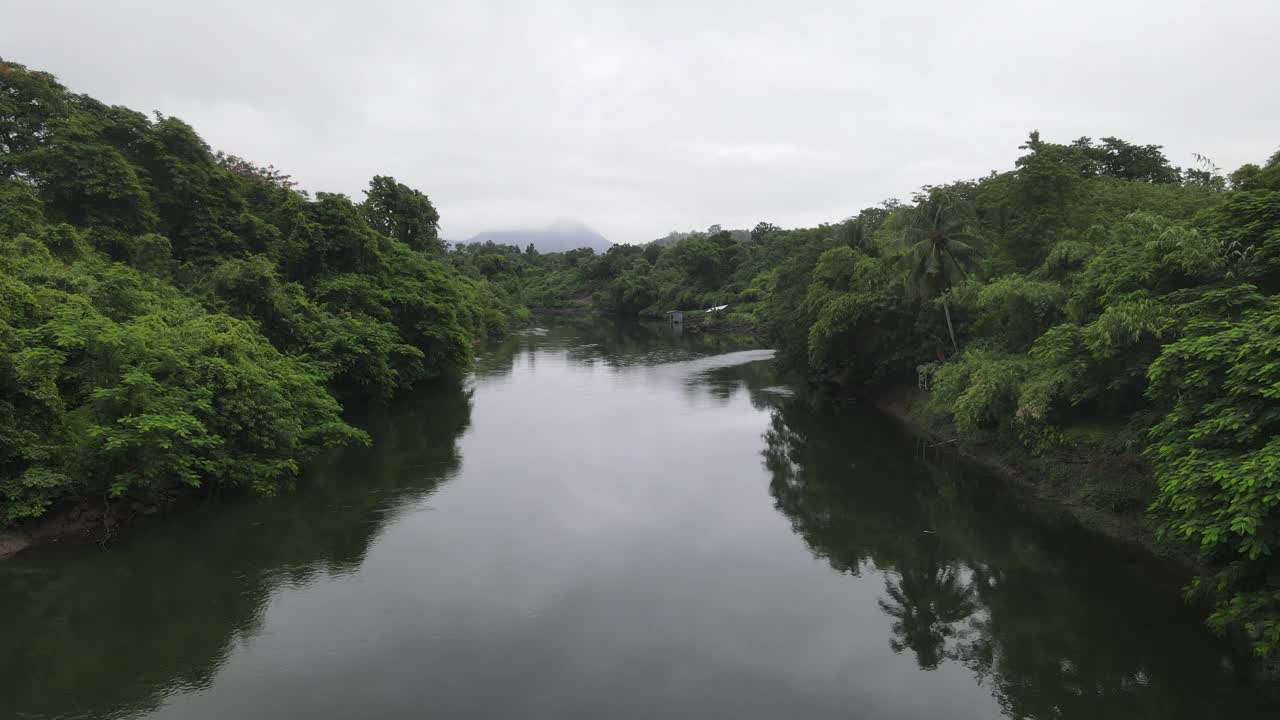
column 555, row 236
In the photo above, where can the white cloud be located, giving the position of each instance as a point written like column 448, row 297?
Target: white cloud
column 639, row 119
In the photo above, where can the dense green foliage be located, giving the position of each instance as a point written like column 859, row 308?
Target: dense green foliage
column 976, row 577
column 171, row 317
column 178, row 603
column 1094, row 285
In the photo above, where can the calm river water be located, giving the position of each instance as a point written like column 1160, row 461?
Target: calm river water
column 607, row 521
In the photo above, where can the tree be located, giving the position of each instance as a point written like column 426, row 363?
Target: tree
column 252, row 171
column 853, row 234
column 1217, row 457
column 86, row 179
column 1208, row 175
column 172, row 318
column 1030, row 209
column 762, row 229
column 1246, row 177
column 940, row 248
column 29, row 99
column 403, row 213
column 1117, row 158
column 699, row 258
column 1252, row 177
column 927, row 601
column 633, row 290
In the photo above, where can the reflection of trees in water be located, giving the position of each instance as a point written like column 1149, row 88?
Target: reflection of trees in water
column 91, row 633
column 928, row 604
column 630, row 346
column 611, row 342
column 1038, row 610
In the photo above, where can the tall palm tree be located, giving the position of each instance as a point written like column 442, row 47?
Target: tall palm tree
column 940, row 248
column 853, row 233
column 928, row 602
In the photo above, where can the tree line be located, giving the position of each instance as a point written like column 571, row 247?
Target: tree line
column 1094, row 295
column 174, row 318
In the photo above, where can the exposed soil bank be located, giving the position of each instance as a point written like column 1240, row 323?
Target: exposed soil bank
column 1065, row 478
column 1132, row 528
column 80, row 522
column 575, row 310
column 713, row 324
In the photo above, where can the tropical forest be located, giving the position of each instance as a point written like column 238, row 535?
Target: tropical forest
column 189, row 333
column 1094, row 298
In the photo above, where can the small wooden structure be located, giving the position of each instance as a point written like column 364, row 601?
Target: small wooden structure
column 676, row 316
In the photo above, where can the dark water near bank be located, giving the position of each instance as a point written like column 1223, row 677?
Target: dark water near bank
column 606, row 521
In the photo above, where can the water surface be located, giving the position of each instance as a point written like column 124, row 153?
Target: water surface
column 609, row 521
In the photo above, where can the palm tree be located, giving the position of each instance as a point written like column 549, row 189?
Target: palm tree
column 853, row 233
column 928, row 603
column 940, row 248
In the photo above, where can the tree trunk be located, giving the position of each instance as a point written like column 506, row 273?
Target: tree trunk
column 947, row 311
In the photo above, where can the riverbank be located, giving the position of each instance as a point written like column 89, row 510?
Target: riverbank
column 1066, row 479
column 83, row 522
column 578, row 309
column 720, row 323
column 694, row 323
column 614, row 491
column 1068, row 476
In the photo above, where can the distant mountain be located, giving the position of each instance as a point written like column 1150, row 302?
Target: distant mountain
column 556, row 237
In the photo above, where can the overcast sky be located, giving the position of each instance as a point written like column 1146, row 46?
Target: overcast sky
column 643, row 117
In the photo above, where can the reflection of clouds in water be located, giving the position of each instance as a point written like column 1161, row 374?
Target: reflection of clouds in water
column 719, row 376
column 704, row 366
column 612, row 344
column 610, row 521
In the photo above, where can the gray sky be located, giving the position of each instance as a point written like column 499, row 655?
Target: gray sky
column 643, row 117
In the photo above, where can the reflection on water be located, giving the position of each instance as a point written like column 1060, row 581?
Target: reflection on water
column 93, row 633
column 613, row 344
column 1057, row 623
column 585, row 528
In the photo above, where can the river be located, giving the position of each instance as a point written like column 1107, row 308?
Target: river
column 610, row 521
